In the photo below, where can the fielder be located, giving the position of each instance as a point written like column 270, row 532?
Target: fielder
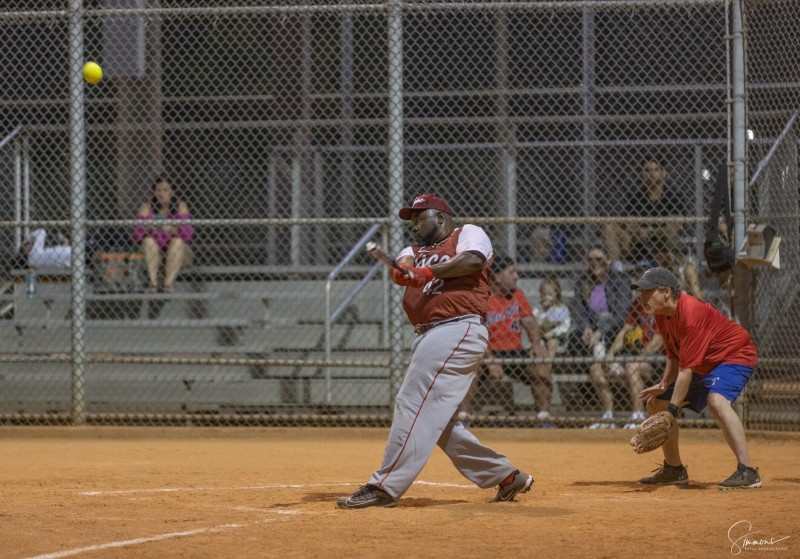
column 447, row 289
column 710, row 358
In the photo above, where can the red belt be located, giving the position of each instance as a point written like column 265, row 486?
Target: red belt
column 422, row 328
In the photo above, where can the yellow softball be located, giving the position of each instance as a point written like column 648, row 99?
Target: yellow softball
column 92, row 72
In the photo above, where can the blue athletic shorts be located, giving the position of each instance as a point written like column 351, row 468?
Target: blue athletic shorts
column 725, row 379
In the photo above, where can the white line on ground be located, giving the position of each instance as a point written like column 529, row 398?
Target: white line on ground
column 436, row 484
column 124, row 543
column 281, row 512
column 254, row 488
column 215, row 488
column 220, row 528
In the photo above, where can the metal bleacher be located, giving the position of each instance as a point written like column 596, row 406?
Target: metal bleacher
column 232, row 345
column 207, row 318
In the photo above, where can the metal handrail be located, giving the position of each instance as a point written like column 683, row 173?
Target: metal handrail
column 771, row 152
column 10, row 136
column 22, row 182
column 331, row 317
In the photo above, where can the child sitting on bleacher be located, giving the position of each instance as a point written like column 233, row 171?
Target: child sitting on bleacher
column 554, row 322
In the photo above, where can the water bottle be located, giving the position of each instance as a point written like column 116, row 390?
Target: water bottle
column 30, row 284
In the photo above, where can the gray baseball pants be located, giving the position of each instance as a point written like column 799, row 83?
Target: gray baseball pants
column 443, row 365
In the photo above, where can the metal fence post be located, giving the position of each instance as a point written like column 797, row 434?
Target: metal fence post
column 396, row 184
column 77, row 158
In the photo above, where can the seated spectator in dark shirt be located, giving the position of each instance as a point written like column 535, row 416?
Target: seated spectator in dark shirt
column 599, row 308
column 654, row 199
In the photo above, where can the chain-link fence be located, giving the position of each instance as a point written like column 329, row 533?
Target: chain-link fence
column 276, row 138
column 772, row 190
column 774, row 305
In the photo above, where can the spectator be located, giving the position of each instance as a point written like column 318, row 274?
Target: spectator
column 541, row 245
column 655, row 199
column 636, row 337
column 507, row 314
column 161, row 236
column 548, row 244
column 601, row 300
column 42, row 256
column 555, row 322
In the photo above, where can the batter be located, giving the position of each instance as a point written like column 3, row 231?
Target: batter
column 447, row 289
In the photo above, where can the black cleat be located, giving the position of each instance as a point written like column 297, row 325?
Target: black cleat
column 367, row 496
column 744, row 477
column 667, row 475
column 520, row 484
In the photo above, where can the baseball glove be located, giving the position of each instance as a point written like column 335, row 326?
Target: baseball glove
column 653, row 432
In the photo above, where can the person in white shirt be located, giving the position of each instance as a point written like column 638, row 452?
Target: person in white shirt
column 555, row 323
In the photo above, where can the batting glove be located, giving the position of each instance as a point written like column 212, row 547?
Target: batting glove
column 402, row 276
column 413, row 277
column 421, row 276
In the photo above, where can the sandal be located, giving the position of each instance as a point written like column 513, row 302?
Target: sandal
column 169, row 289
column 150, row 289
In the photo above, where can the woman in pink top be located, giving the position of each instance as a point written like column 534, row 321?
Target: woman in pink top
column 161, row 237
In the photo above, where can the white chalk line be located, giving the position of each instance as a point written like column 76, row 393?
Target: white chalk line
column 215, row 488
column 281, row 512
column 254, row 488
column 215, row 529
column 137, row 541
column 437, row 484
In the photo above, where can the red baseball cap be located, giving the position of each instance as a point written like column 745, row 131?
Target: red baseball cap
column 425, row 202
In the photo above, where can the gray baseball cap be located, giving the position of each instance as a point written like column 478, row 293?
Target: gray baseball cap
column 656, row 277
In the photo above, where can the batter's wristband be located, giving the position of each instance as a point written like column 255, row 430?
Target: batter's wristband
column 673, row 409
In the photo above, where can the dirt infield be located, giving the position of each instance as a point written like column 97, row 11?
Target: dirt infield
column 253, row 492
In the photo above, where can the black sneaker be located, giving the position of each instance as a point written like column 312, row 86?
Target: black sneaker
column 367, row 496
column 667, row 475
column 744, row 477
column 520, row 484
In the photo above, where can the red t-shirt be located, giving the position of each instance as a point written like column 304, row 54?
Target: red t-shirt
column 443, row 298
column 504, row 320
column 701, row 337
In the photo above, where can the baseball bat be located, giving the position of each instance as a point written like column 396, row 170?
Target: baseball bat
column 379, row 253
